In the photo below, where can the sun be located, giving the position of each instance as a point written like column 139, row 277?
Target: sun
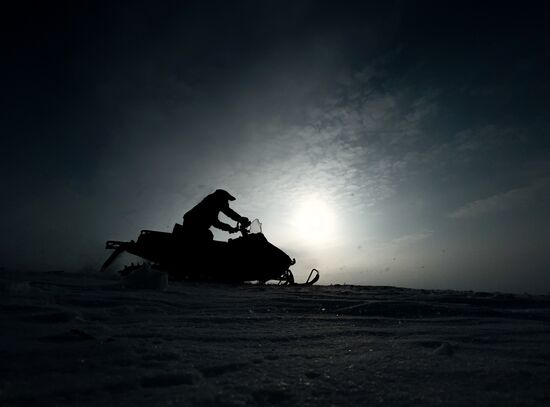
column 314, row 221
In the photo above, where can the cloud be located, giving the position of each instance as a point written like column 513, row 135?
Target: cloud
column 347, row 144
column 477, row 145
column 412, row 238
column 518, row 198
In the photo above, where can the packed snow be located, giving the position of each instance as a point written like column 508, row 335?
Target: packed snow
column 94, row 339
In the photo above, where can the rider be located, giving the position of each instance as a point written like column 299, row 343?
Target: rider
column 198, row 220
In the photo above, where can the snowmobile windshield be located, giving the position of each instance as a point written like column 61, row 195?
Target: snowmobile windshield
column 255, row 226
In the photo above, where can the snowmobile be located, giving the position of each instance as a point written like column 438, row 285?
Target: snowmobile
column 250, row 257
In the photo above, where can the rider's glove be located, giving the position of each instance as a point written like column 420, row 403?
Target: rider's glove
column 245, row 222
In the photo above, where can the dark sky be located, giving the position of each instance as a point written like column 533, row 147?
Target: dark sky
column 402, row 143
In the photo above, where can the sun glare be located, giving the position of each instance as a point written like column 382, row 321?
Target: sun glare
column 314, row 221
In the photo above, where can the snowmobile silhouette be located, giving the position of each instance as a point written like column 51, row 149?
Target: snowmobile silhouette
column 249, row 257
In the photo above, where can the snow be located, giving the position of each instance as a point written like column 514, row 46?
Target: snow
column 146, row 278
column 89, row 339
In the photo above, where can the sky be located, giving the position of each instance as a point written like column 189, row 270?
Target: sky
column 384, row 143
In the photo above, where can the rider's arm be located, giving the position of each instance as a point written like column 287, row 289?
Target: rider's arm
column 230, row 213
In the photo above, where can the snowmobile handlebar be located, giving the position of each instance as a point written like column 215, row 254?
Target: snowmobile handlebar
column 244, row 226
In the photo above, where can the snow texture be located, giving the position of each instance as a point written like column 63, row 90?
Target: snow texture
column 88, row 340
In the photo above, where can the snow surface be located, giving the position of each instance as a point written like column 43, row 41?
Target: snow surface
column 89, row 340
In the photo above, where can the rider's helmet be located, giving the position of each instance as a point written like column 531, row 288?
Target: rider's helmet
column 223, row 194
